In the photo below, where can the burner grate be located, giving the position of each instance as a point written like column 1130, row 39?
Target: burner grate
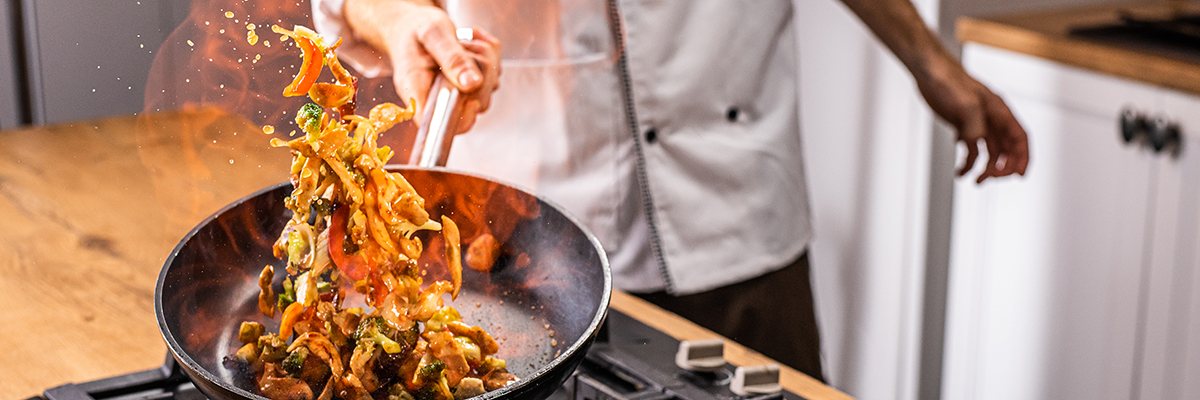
column 162, row 383
column 628, row 361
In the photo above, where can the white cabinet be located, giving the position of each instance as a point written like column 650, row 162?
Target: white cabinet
column 1080, row 280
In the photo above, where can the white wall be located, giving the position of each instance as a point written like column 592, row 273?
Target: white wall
column 867, row 136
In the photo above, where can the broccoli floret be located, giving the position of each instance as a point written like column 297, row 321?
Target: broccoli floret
column 322, row 207
column 273, row 348
column 309, row 118
column 295, row 360
column 431, row 372
column 436, row 388
column 375, row 328
column 288, row 296
column 410, row 336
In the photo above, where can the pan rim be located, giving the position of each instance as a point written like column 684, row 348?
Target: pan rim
column 580, row 344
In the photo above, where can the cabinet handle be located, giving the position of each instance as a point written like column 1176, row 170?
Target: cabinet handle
column 1164, row 135
column 1133, row 125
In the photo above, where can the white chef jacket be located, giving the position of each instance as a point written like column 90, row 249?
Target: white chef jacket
column 698, row 183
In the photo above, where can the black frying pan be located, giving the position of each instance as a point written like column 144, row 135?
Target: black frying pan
column 551, row 285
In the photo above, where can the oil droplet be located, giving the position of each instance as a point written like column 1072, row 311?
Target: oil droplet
column 231, row 162
column 268, row 129
column 257, row 57
column 222, row 86
column 205, row 22
column 189, row 42
column 267, row 43
column 189, row 80
column 250, row 26
column 252, row 38
column 229, row 14
column 222, row 30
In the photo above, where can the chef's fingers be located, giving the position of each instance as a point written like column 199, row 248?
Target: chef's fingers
column 485, row 50
column 491, row 82
column 441, row 42
column 413, row 82
column 971, row 123
column 972, row 154
column 1008, row 137
column 470, row 110
column 1018, row 145
column 991, row 168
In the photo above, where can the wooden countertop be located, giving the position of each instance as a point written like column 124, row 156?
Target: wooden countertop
column 1045, row 34
column 91, row 211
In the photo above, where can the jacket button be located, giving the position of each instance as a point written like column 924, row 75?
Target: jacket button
column 732, row 114
column 651, row 135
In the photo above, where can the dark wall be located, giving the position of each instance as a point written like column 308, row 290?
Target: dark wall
column 83, row 59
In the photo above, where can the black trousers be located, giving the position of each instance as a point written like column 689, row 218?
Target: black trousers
column 773, row 314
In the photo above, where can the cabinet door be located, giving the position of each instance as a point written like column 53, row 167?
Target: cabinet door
column 1044, row 272
column 1170, row 362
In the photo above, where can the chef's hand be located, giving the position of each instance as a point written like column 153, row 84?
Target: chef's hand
column 979, row 116
column 419, row 40
column 977, row 113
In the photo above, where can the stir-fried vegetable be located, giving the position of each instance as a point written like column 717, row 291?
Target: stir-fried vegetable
column 355, row 225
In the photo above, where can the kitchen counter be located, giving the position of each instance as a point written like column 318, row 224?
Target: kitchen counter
column 92, row 210
column 1045, row 34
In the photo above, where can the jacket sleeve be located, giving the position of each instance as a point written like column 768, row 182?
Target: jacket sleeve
column 330, row 23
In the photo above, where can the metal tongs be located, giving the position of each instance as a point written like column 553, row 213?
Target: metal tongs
column 431, row 147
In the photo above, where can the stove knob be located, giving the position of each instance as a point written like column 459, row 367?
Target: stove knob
column 756, row 380
column 701, row 355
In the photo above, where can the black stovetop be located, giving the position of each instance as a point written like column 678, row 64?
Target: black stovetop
column 628, row 361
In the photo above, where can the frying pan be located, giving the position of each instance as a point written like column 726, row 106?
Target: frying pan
column 544, row 299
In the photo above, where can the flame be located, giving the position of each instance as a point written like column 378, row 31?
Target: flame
column 212, row 88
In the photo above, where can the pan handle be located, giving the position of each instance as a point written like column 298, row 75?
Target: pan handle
column 432, row 145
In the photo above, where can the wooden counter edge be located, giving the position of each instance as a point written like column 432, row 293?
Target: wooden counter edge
column 1098, row 57
column 682, row 329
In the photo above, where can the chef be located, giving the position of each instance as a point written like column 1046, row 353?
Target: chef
column 671, row 131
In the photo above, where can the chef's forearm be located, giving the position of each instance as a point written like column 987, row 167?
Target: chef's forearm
column 900, row 27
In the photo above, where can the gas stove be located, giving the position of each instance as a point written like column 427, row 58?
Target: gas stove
column 628, row 361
